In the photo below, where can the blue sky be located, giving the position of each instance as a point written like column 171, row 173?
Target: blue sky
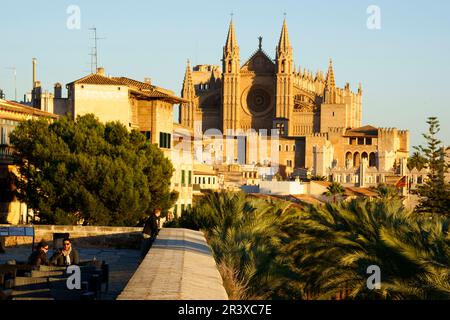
column 404, row 67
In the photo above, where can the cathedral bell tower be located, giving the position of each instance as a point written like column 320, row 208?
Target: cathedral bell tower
column 231, row 82
column 285, row 82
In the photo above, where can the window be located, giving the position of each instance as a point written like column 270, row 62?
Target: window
column 289, row 163
column 189, row 177
column 279, row 147
column 175, row 210
column 183, row 177
column 147, row 134
column 204, row 180
column 209, row 180
column 214, row 180
column 3, row 135
column 182, row 208
column 369, row 141
column 293, row 147
column 360, row 141
column 333, row 113
column 286, row 148
column 189, row 206
column 164, row 140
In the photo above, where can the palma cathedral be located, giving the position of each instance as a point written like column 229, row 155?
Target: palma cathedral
column 319, row 124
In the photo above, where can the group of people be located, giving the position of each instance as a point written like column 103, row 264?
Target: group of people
column 67, row 256
column 62, row 257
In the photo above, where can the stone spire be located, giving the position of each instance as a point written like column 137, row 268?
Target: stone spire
column 188, row 93
column 231, row 43
column 284, row 44
column 330, row 86
column 231, row 56
column 188, row 86
column 330, row 76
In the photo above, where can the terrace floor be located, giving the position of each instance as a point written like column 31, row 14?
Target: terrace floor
column 122, row 264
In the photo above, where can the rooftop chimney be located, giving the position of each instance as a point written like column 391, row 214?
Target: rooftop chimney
column 101, row 71
column 58, row 90
column 34, row 72
column 148, row 80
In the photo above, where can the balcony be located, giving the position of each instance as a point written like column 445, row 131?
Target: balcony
column 6, row 154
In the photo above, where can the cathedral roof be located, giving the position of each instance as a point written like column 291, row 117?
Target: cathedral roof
column 258, row 53
column 365, row 131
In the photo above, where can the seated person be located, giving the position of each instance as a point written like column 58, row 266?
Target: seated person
column 39, row 256
column 66, row 255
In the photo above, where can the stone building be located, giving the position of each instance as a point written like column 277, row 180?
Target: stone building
column 318, row 123
column 138, row 106
column 11, row 114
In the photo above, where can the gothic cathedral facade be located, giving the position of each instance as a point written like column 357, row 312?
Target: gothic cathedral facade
column 319, row 123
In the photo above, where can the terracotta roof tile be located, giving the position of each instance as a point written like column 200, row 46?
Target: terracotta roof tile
column 362, row 131
column 96, row 78
column 24, row 109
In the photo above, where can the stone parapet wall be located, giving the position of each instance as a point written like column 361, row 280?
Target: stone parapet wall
column 179, row 266
column 86, row 236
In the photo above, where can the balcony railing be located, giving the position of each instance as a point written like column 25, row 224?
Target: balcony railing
column 6, row 154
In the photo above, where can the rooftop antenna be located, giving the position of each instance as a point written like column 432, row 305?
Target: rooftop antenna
column 15, row 81
column 94, row 52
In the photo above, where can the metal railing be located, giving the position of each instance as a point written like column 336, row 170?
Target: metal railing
column 6, row 154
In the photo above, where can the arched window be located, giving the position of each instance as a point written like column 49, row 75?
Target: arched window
column 286, row 147
column 348, row 159
column 356, row 159
column 372, row 160
column 279, row 147
column 293, row 147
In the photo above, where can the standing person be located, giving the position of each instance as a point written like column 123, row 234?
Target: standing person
column 150, row 231
column 39, row 256
column 66, row 255
column 2, row 249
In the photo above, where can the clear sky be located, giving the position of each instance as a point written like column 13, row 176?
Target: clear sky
column 404, row 67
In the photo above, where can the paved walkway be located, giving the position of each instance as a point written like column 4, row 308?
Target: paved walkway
column 179, row 266
column 122, row 264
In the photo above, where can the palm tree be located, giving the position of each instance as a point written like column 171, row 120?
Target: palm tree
column 334, row 189
column 387, row 192
column 246, row 240
column 337, row 244
column 417, row 161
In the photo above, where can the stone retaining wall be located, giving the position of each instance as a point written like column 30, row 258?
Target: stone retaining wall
column 86, row 236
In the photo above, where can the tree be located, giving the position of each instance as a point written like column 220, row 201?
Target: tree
column 83, row 170
column 434, row 194
column 417, row 161
column 318, row 178
column 387, row 192
column 334, row 189
column 337, row 243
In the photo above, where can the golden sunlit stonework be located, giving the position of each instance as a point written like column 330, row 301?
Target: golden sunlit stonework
column 319, row 124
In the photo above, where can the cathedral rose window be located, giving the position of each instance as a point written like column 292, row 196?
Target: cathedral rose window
column 258, row 100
